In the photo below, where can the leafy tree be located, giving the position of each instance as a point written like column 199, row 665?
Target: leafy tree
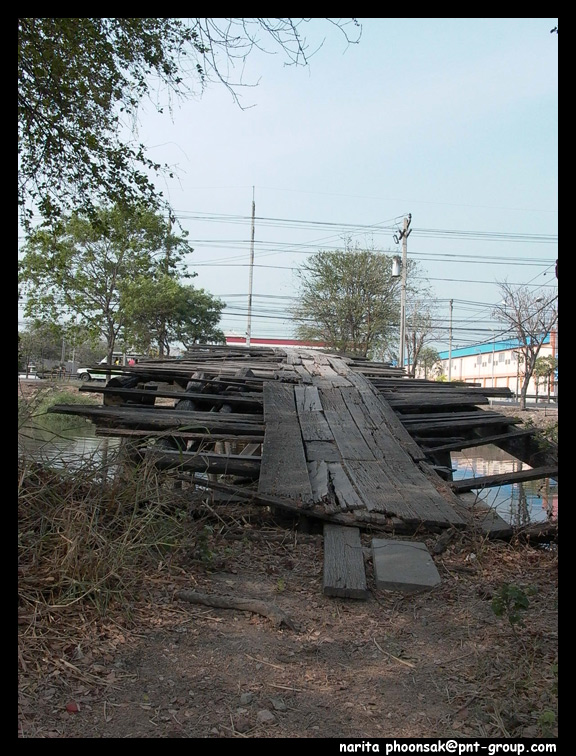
column 81, row 82
column 197, row 318
column 82, row 273
column 349, row 300
column 530, row 318
column 161, row 311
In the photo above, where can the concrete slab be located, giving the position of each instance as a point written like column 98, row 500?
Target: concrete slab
column 405, row 566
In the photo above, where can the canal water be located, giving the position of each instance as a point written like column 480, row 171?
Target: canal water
column 71, row 448
column 519, row 504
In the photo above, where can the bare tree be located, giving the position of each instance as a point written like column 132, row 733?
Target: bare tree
column 420, row 329
column 531, row 317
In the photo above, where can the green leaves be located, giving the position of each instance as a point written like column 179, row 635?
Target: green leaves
column 348, row 299
column 511, row 601
column 87, row 270
column 81, row 82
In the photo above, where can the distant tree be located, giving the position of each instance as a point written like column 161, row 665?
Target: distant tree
column 81, row 274
column 162, row 311
column 39, row 343
column 429, row 361
column 81, row 82
column 349, row 300
column 544, row 369
column 530, row 318
column 420, row 328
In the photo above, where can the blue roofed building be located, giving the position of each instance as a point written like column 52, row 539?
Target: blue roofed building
column 499, row 364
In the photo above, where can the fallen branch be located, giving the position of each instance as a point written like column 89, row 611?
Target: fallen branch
column 278, row 617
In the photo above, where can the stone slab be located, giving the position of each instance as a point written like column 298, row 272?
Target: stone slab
column 405, row 566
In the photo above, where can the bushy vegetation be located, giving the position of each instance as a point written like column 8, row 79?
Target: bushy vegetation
column 88, row 534
column 83, row 528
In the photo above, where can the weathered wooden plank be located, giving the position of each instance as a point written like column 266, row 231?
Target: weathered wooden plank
column 318, row 474
column 348, row 437
column 323, row 374
column 313, row 424
column 470, row 414
column 307, row 399
column 404, row 492
column 502, row 479
column 176, row 433
column 383, row 414
column 407, row 400
column 326, row 450
column 429, row 443
column 284, row 470
column 239, row 400
column 344, row 573
column 346, row 495
column 303, row 374
column 373, row 427
column 383, row 474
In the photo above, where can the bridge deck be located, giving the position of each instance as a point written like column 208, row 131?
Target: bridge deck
column 346, row 441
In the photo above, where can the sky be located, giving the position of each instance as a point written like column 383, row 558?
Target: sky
column 451, row 120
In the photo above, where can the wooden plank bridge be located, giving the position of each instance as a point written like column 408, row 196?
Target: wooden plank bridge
column 320, row 435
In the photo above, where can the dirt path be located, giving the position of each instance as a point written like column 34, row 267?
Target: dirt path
column 432, row 664
column 438, row 663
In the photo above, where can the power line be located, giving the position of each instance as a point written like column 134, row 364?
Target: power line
column 363, row 227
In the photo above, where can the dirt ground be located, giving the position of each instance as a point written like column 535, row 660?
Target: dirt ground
column 440, row 663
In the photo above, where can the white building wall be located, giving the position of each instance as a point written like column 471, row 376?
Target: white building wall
column 499, row 368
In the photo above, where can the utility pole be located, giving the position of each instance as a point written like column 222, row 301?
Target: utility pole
column 167, row 260
column 404, row 234
column 450, row 343
column 493, row 355
column 251, row 275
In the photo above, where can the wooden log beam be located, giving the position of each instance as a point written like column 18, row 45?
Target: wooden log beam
column 452, row 423
column 176, row 433
column 205, row 462
column 415, row 400
column 503, row 479
column 236, row 400
column 163, row 418
column 456, row 444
